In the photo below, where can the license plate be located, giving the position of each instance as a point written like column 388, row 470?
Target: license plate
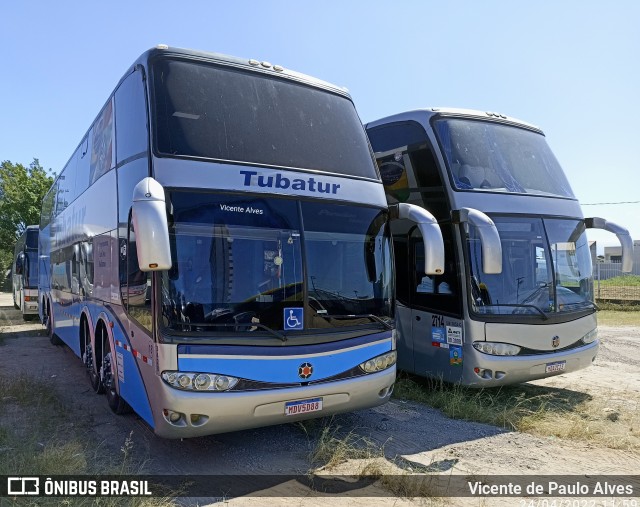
column 557, row 366
column 302, row 406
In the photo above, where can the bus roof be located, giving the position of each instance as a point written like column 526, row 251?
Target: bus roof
column 234, row 61
column 451, row 111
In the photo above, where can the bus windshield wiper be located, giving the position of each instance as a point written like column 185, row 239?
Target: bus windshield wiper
column 514, row 305
column 273, row 332
column 537, row 309
column 358, row 316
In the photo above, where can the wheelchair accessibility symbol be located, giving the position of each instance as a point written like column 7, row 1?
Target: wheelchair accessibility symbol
column 293, row 318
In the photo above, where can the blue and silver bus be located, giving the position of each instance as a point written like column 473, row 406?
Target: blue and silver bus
column 516, row 301
column 218, row 248
column 24, row 271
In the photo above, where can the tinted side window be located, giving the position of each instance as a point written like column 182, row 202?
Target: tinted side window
column 137, row 293
column 83, row 167
column 439, row 293
column 47, row 207
column 131, row 118
column 102, row 158
column 396, row 135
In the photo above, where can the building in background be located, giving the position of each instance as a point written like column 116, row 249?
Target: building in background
column 614, row 254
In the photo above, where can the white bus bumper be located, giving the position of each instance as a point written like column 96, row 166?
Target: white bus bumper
column 209, row 413
column 501, row 370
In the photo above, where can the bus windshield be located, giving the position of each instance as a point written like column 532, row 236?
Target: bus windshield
column 489, row 156
column 240, row 262
column 215, row 112
column 546, row 268
column 31, row 240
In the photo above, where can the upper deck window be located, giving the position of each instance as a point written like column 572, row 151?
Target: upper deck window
column 489, row 156
column 222, row 113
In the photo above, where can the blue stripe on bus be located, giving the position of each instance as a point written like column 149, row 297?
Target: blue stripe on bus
column 284, row 350
column 283, row 369
column 132, row 389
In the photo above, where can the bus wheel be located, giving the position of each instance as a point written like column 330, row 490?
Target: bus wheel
column 116, row 403
column 87, row 358
column 49, row 326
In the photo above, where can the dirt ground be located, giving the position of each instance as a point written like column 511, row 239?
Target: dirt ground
column 410, row 433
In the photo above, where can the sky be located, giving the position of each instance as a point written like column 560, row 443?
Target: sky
column 570, row 67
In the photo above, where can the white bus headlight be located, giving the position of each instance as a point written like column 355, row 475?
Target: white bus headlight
column 187, row 381
column 380, row 363
column 497, row 349
column 590, row 337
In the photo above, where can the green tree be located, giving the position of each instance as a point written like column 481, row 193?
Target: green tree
column 21, row 192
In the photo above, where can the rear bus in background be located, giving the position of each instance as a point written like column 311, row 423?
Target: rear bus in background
column 24, row 279
column 516, row 300
column 218, row 250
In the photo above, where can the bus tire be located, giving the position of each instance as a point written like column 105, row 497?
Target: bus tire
column 116, row 403
column 88, row 357
column 53, row 338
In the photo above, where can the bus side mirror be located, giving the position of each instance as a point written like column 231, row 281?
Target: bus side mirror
column 149, row 217
column 431, row 234
column 489, row 237
column 623, row 236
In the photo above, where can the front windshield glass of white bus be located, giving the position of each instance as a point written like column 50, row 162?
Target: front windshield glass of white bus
column 545, row 269
column 493, row 157
column 237, row 263
column 218, row 112
column 571, row 263
column 349, row 273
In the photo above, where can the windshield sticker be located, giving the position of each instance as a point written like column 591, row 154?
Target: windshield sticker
column 454, row 335
column 455, row 356
column 293, row 319
column 439, row 344
column 438, row 334
column 242, row 209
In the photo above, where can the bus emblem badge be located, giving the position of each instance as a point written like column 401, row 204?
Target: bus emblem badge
column 555, row 342
column 305, row 370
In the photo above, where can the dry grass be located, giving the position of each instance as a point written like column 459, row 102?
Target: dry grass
column 345, row 454
column 620, row 317
column 37, row 438
column 332, row 445
column 539, row 410
column 612, row 423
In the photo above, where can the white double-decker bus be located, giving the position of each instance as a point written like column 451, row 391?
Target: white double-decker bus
column 217, row 249
column 516, row 300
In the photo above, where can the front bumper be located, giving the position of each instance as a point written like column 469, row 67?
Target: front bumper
column 211, row 413
column 516, row 369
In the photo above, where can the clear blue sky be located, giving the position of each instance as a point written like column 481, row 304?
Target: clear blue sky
column 571, row 67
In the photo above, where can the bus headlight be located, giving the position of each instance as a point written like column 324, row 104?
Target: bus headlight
column 187, row 381
column 497, row 349
column 590, row 337
column 379, row 363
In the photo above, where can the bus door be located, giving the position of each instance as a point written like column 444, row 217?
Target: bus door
column 436, row 312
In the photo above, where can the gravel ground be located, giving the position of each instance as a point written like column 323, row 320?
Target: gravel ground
column 411, row 434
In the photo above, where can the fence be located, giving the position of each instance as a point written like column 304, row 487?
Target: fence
column 610, row 283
